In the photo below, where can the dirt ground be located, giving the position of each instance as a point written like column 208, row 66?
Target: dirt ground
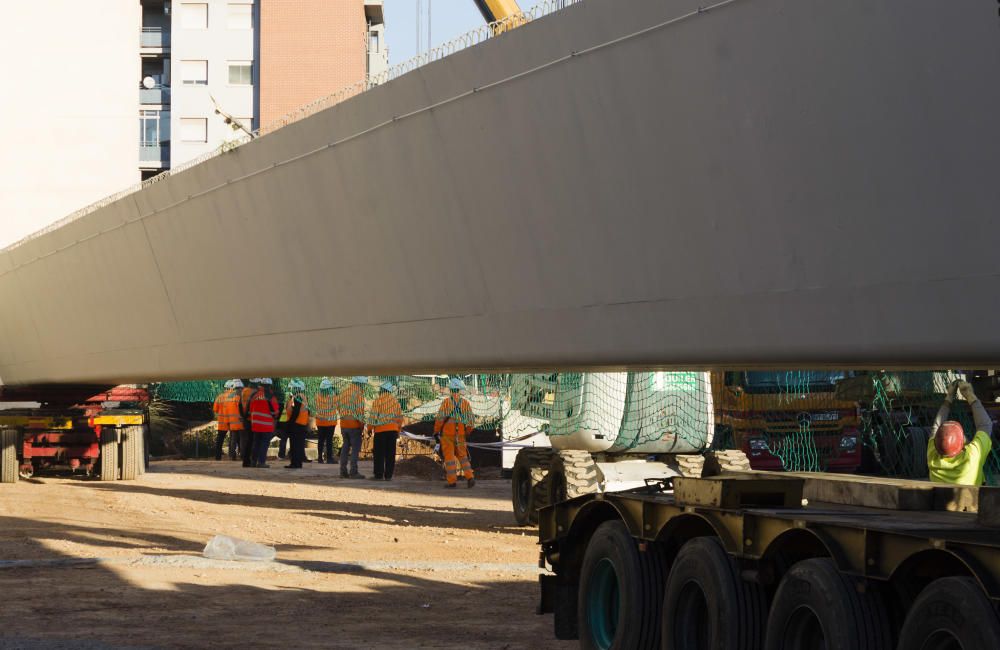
column 361, row 564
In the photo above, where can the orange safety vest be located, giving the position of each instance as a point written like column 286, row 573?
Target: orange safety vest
column 229, row 411
column 454, row 417
column 385, row 414
column 303, row 418
column 326, row 410
column 245, row 396
column 352, row 408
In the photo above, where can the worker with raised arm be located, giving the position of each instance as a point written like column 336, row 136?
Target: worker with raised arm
column 296, row 418
column 227, row 415
column 325, row 410
column 351, row 406
column 263, row 413
column 453, row 423
column 949, row 458
column 386, row 420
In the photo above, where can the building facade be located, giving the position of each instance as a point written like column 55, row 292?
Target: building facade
column 214, row 70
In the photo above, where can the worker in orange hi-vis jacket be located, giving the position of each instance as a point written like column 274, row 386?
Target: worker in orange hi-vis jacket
column 351, row 406
column 227, row 415
column 386, row 420
column 453, row 422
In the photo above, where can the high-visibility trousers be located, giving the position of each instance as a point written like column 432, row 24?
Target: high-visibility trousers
column 455, row 453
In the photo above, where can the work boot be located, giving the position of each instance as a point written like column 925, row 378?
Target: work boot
column 471, row 482
column 262, row 466
column 293, row 466
column 450, row 485
column 375, row 478
column 355, row 475
column 345, row 475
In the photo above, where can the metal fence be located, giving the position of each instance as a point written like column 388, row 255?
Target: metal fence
column 469, row 39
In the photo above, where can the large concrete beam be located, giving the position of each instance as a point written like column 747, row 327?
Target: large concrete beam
column 771, row 183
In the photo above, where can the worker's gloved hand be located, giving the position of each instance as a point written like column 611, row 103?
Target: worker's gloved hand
column 952, row 390
column 968, row 394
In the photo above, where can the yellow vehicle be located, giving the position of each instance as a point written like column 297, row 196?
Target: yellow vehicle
column 774, row 416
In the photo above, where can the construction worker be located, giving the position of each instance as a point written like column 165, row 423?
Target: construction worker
column 351, row 405
column 325, row 410
column 949, row 458
column 246, row 435
column 263, row 413
column 453, row 422
column 386, row 420
column 296, row 416
column 227, row 415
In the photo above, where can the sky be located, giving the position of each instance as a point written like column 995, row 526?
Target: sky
column 449, row 19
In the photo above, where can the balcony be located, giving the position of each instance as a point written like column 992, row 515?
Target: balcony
column 154, row 154
column 154, row 95
column 154, row 37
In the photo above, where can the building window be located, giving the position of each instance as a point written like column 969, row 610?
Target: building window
column 240, row 73
column 373, row 42
column 194, row 15
column 194, row 129
column 154, row 128
column 194, row 73
column 240, row 16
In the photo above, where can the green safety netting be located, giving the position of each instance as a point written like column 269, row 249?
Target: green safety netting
column 801, row 420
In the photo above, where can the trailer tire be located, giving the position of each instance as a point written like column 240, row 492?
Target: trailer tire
column 109, row 455
column 951, row 610
column 708, row 605
column 728, row 460
column 132, row 456
column 9, row 439
column 816, row 605
column 621, row 592
column 531, row 466
column 572, row 474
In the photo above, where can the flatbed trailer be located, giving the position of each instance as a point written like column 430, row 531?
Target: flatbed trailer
column 759, row 560
column 108, row 443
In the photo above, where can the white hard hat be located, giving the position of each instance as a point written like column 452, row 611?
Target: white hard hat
column 228, row 384
column 237, row 383
column 360, row 379
column 387, row 386
column 326, row 384
column 456, row 384
column 297, row 384
column 265, row 380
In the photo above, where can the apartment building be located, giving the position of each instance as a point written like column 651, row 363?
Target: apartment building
column 213, row 70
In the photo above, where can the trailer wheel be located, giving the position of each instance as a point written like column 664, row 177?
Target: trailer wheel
column 572, row 474
column 951, row 613
column 621, row 591
column 708, row 605
column 109, row 455
column 8, row 455
column 132, row 455
column 530, row 467
column 817, row 606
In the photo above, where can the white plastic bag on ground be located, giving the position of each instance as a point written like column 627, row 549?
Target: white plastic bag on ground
column 222, row 547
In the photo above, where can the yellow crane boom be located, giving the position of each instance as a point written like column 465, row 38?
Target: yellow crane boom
column 497, row 10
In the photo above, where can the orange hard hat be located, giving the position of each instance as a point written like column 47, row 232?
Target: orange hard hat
column 949, row 439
